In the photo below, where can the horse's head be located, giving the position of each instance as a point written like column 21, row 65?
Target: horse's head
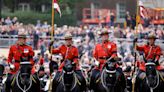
column 110, row 75
column 69, row 67
column 25, row 71
column 68, row 77
column 150, row 68
column 151, row 72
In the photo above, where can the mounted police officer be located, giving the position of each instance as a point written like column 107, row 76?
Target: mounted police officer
column 70, row 52
column 102, row 52
column 16, row 52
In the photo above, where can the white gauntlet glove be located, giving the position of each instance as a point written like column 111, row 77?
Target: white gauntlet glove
column 12, row 67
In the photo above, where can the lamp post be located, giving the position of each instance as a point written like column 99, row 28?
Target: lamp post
column 0, row 9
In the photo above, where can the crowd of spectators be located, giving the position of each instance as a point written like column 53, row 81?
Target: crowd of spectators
column 86, row 36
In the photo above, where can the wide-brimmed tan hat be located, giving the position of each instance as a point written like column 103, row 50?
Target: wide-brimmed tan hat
column 67, row 36
column 152, row 36
column 104, row 31
column 22, row 35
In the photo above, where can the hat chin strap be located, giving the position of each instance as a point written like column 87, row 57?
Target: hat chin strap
column 69, row 45
column 106, row 40
column 152, row 44
column 21, row 43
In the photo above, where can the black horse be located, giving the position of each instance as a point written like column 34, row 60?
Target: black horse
column 24, row 81
column 68, row 80
column 151, row 80
column 128, row 73
column 1, row 77
column 110, row 79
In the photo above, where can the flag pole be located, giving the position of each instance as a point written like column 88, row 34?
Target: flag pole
column 137, row 16
column 52, row 23
column 135, row 54
column 52, row 39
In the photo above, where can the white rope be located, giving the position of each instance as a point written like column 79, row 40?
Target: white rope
column 149, row 63
column 152, row 88
column 108, row 71
column 24, row 63
column 23, row 90
column 102, row 80
column 75, row 80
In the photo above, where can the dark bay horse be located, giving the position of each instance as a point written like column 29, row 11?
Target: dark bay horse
column 110, row 79
column 68, row 80
column 151, row 80
column 1, row 77
column 24, row 81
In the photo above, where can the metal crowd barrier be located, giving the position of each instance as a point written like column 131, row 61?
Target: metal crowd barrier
column 6, row 40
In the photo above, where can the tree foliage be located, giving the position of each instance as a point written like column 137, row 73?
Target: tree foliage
column 68, row 9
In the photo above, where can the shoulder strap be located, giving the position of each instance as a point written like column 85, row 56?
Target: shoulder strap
column 150, row 50
column 67, row 51
column 19, row 49
column 106, row 50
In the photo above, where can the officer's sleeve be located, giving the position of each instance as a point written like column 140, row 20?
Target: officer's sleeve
column 140, row 48
column 76, row 54
column 158, row 53
column 114, row 50
column 57, row 50
column 32, row 53
column 95, row 53
column 10, row 55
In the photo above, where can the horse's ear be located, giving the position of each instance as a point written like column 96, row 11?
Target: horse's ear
column 144, row 58
column 154, row 58
column 21, row 59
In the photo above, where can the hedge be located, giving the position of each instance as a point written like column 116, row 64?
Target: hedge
column 30, row 17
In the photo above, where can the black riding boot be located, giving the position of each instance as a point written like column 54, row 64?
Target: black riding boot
column 8, row 83
column 94, row 75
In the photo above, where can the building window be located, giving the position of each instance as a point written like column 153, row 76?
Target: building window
column 122, row 10
column 97, row 5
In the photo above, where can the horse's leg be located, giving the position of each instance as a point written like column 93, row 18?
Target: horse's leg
column 38, row 88
column 122, row 82
column 93, row 78
column 8, row 83
column 55, row 81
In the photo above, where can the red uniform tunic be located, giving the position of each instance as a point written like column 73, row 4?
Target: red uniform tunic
column 104, row 51
column 15, row 54
column 70, row 53
column 150, row 52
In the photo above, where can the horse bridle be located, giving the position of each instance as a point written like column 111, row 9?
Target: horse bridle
column 75, row 81
column 23, row 89
column 158, row 79
column 102, row 80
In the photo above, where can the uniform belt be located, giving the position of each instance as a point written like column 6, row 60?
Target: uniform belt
column 105, row 58
column 17, row 61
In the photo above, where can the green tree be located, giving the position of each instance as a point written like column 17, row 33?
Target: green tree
column 11, row 4
column 36, row 4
